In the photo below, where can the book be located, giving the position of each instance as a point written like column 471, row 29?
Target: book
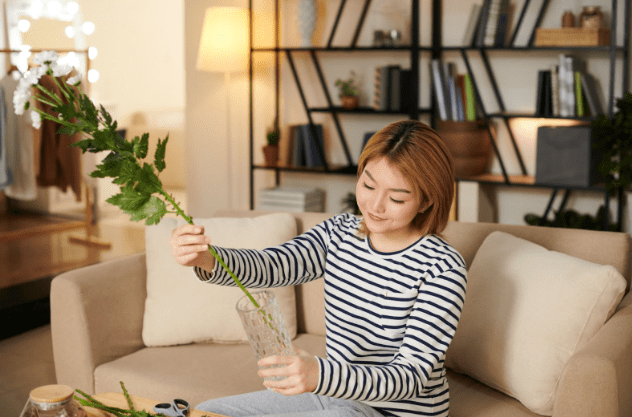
column 407, row 101
column 296, row 194
column 470, row 99
column 568, row 83
column 450, row 77
column 472, row 23
column 579, row 97
column 492, row 23
column 394, row 75
column 548, row 96
column 590, row 89
column 502, row 27
column 365, row 139
column 313, row 145
column 380, row 97
column 539, row 96
column 298, row 152
column 482, row 24
column 555, row 90
column 438, row 88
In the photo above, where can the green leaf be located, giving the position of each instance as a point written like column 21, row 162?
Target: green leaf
column 152, row 210
column 129, row 200
column 141, row 146
column 159, row 156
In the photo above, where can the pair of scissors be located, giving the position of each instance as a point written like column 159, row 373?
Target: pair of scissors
column 176, row 408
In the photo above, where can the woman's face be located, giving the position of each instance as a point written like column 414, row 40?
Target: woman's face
column 386, row 200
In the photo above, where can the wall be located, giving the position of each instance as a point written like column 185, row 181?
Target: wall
column 206, row 131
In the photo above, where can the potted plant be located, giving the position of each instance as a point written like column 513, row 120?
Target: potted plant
column 613, row 139
column 348, row 92
column 271, row 150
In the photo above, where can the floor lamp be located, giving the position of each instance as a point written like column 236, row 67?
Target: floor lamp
column 224, row 47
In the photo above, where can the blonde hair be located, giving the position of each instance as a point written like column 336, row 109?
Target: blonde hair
column 422, row 157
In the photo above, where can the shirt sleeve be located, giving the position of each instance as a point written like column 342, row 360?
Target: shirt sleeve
column 418, row 365
column 297, row 261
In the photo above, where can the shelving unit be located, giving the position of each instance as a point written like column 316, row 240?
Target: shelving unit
column 615, row 51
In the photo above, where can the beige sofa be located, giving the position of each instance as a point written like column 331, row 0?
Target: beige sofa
column 97, row 319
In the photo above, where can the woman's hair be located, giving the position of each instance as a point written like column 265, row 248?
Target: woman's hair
column 424, row 160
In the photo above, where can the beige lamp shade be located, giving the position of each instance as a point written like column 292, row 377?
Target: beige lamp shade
column 224, row 44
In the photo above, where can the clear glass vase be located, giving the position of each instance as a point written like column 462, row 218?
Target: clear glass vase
column 264, row 326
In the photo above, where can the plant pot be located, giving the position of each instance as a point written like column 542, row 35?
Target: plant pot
column 270, row 155
column 470, row 146
column 349, row 102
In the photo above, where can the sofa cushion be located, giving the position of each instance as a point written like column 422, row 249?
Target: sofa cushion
column 526, row 312
column 195, row 373
column 180, row 309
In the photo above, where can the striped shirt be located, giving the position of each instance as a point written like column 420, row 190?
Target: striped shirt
column 390, row 317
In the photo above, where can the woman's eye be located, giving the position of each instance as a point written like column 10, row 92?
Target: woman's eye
column 397, row 201
column 368, row 186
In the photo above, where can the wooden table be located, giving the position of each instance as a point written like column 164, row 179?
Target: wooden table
column 115, row 399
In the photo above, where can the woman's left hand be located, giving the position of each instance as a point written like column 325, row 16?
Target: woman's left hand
column 301, row 373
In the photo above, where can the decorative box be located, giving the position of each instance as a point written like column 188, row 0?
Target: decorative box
column 572, row 37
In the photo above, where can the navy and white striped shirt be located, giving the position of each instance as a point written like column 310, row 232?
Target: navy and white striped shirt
column 390, row 317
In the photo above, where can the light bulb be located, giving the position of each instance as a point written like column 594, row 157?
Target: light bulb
column 93, row 75
column 88, row 28
column 92, row 52
column 70, row 32
column 72, row 7
column 24, row 25
column 54, row 8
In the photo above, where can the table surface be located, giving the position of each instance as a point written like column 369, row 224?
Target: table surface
column 115, row 399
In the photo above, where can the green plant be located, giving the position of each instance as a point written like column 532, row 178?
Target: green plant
column 142, row 195
column 571, row 219
column 347, row 87
column 613, row 139
column 273, row 137
column 89, row 401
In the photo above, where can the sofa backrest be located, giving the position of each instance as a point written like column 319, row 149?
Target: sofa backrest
column 608, row 248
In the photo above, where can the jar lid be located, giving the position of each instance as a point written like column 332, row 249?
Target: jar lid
column 51, row 393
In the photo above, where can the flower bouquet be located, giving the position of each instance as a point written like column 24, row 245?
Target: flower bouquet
column 141, row 195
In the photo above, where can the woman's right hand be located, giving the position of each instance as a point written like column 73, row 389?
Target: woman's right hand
column 189, row 247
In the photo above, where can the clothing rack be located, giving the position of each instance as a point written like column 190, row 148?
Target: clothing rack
column 51, row 224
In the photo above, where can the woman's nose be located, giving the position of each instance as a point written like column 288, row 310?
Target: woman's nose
column 378, row 204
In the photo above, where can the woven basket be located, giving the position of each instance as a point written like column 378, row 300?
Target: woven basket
column 470, row 146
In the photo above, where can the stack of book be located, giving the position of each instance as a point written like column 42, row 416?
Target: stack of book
column 392, row 89
column 306, row 145
column 293, row 200
column 489, row 24
column 453, row 93
column 567, row 90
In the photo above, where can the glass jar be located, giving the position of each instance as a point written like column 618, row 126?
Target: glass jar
column 52, row 401
column 591, row 18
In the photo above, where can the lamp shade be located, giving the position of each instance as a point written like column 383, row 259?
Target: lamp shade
column 224, row 44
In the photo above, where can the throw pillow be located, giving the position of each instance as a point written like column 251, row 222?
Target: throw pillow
column 181, row 309
column 527, row 310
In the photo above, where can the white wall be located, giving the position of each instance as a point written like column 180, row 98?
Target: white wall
column 206, row 129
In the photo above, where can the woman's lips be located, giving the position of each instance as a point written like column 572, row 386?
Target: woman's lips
column 376, row 218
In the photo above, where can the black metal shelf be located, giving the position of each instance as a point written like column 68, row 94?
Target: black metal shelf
column 363, row 110
column 619, row 50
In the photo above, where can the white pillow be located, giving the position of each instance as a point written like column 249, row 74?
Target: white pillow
column 181, row 309
column 527, row 311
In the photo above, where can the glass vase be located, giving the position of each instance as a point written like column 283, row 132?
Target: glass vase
column 264, row 326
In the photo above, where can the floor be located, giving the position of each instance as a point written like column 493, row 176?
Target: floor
column 26, row 359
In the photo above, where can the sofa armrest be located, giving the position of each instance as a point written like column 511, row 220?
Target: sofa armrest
column 597, row 380
column 96, row 316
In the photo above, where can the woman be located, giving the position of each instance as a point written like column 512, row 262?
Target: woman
column 394, row 289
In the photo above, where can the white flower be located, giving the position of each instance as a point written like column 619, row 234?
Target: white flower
column 74, row 80
column 21, row 96
column 60, row 70
column 36, row 119
column 33, row 75
column 45, row 57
